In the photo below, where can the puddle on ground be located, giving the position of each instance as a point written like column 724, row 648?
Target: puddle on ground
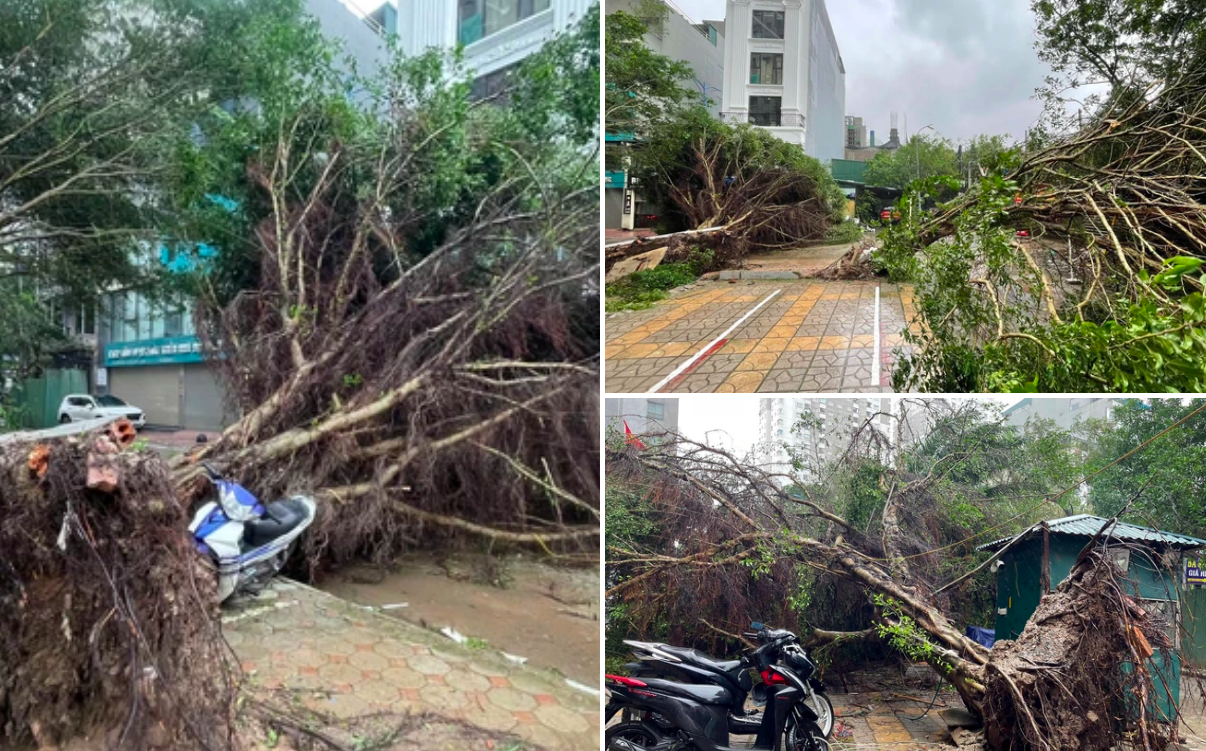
column 545, row 613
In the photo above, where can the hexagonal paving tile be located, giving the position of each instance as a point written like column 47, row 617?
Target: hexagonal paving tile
column 511, row 699
column 428, row 664
column 561, row 719
column 403, row 678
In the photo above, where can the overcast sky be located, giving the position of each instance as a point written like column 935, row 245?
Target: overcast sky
column 965, row 66
column 734, row 417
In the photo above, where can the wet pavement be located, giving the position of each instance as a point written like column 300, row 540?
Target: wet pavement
column 349, row 661
column 806, row 336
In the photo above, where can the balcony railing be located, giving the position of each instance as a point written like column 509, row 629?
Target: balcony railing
column 768, row 120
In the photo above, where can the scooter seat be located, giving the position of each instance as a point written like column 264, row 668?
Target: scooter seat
column 701, row 693
column 279, row 519
column 686, row 654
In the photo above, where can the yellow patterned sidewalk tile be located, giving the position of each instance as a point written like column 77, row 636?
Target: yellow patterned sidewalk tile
column 672, row 349
column 772, row 344
column 783, row 330
column 803, row 343
column 863, row 340
column 745, row 382
column 738, row 346
column 614, row 349
column 758, row 361
column 834, row 342
column 641, row 350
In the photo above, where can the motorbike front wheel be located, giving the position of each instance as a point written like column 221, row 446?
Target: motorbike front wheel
column 643, row 734
column 820, row 704
column 804, row 736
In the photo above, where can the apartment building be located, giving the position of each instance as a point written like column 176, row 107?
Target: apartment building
column 900, row 423
column 1065, row 412
column 783, row 72
column 856, row 133
column 780, row 427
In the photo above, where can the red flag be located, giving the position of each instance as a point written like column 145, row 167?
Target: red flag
column 631, row 438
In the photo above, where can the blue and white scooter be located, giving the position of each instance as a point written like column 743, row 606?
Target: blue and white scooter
column 248, row 541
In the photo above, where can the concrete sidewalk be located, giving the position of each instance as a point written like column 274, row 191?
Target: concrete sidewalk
column 351, row 661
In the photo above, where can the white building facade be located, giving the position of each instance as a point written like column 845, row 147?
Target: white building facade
column 783, row 72
column 497, row 34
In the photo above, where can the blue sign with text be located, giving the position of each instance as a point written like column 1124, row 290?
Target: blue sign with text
column 167, row 350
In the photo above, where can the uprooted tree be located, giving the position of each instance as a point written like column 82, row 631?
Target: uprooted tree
column 705, row 173
column 1103, row 292
column 704, row 540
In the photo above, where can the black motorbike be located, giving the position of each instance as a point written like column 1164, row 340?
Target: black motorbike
column 671, row 716
column 685, row 665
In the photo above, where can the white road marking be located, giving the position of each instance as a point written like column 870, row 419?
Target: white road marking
column 674, row 373
column 875, row 362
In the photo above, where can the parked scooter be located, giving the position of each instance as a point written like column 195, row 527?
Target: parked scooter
column 248, row 541
column 671, row 716
column 692, row 666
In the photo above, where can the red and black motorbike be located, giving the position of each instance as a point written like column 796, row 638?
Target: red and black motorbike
column 671, row 716
column 684, row 665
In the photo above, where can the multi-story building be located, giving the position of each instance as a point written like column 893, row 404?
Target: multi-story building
column 643, row 416
column 825, row 440
column 783, row 72
column 856, row 132
column 1065, row 412
column 899, row 422
column 867, row 151
column 700, row 46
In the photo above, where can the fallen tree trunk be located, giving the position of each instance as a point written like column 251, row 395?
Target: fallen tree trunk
column 108, row 616
column 1062, row 685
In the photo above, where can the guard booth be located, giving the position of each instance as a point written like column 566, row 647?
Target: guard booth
column 1154, row 562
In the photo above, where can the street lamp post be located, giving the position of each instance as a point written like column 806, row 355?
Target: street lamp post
column 917, row 151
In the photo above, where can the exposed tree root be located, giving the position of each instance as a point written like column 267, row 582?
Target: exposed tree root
column 108, row 621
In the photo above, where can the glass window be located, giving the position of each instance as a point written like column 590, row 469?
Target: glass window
column 766, row 67
column 481, row 18
column 655, row 410
column 768, row 24
column 173, row 323
column 492, row 84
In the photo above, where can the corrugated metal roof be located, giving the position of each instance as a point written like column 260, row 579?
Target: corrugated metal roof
column 1087, row 525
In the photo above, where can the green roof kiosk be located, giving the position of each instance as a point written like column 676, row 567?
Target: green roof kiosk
column 1154, row 563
